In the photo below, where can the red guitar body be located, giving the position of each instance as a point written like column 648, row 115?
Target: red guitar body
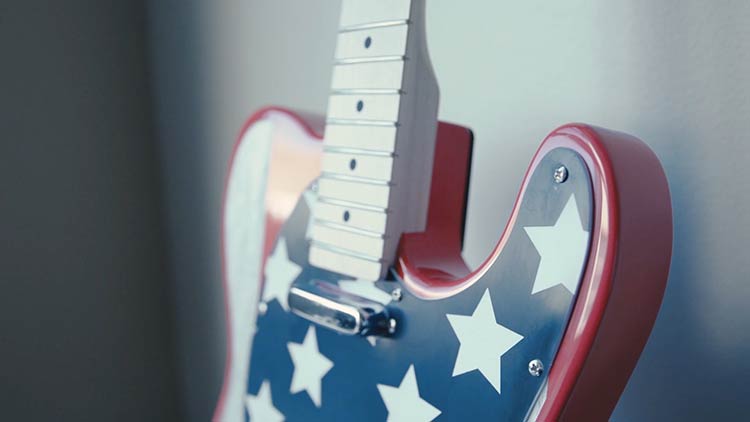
column 625, row 271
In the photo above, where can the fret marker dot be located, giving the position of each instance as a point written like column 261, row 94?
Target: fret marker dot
column 368, row 42
column 360, row 105
column 346, row 216
column 353, row 164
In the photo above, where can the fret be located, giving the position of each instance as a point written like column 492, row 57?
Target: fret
column 358, row 165
column 376, row 138
column 358, row 151
column 365, row 91
column 356, row 60
column 358, row 12
column 379, row 139
column 361, row 122
column 356, row 242
column 353, row 205
column 346, row 228
column 364, row 107
column 388, row 75
column 344, row 262
column 376, row 195
column 374, row 25
column 373, row 42
column 352, row 216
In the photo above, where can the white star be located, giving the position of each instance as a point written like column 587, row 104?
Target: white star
column 562, row 249
column 280, row 273
column 404, row 402
column 260, row 407
column 310, row 366
column 311, row 197
column 483, row 341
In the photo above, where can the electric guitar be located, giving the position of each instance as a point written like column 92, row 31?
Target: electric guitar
column 347, row 297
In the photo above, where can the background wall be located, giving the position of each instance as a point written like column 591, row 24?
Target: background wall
column 673, row 72
column 85, row 326
column 110, row 303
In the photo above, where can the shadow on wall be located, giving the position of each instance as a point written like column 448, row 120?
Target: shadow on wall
column 180, row 61
column 698, row 104
column 673, row 72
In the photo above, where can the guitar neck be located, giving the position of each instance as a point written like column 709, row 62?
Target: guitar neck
column 379, row 139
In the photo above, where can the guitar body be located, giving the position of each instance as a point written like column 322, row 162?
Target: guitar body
column 548, row 328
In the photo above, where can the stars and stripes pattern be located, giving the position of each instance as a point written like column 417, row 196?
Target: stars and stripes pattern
column 460, row 358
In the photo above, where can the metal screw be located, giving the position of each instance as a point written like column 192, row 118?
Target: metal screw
column 536, row 367
column 397, row 294
column 561, row 174
column 391, row 326
column 262, row 308
column 314, row 187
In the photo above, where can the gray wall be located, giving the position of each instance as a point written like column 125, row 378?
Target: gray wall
column 85, row 326
column 673, row 72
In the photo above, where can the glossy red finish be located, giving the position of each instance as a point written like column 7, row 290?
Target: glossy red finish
column 626, row 270
column 436, row 252
column 625, row 280
column 294, row 164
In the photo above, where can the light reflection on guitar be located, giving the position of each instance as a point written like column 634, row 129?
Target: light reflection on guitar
column 347, row 297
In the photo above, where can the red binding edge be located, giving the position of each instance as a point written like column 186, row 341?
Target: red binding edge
column 624, row 280
column 313, row 127
column 627, row 268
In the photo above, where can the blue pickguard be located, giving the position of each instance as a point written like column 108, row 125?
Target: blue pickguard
column 425, row 337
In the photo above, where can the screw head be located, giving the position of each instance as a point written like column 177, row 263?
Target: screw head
column 536, row 368
column 397, row 294
column 561, row 174
column 392, row 326
column 262, row 308
column 314, row 187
